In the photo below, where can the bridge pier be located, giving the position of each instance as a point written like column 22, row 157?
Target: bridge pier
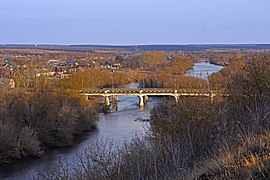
column 107, row 100
column 114, row 107
column 145, row 99
column 212, row 96
column 114, row 98
column 176, row 99
column 141, row 103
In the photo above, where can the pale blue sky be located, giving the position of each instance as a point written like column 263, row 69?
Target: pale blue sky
column 134, row 21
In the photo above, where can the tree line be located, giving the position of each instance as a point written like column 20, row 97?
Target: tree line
column 196, row 138
column 41, row 113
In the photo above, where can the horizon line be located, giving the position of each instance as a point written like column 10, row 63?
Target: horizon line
column 143, row 44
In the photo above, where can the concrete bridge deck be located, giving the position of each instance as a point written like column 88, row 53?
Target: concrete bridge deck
column 143, row 90
column 143, row 93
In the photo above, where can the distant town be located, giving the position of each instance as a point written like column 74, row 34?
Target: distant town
column 55, row 61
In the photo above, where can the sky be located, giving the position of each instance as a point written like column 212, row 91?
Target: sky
column 130, row 22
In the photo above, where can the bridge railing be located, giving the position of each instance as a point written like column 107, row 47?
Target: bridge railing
column 144, row 90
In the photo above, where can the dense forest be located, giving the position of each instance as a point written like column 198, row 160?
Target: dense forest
column 31, row 122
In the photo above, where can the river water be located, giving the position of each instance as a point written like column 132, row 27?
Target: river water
column 203, row 69
column 120, row 127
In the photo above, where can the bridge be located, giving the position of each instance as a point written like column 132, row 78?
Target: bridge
column 143, row 93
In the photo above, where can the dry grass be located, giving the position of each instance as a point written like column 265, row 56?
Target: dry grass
column 250, row 159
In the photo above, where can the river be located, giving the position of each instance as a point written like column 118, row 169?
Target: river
column 203, row 69
column 120, row 126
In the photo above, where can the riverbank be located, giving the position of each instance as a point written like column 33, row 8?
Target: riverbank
column 51, row 115
column 206, row 149
column 33, row 122
column 120, row 127
column 220, row 63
